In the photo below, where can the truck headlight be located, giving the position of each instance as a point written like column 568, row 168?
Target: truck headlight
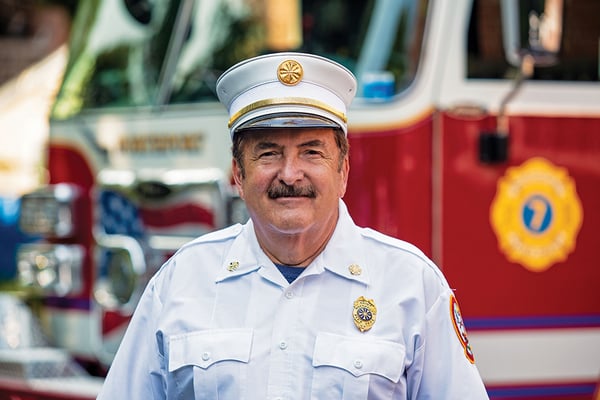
column 51, row 268
column 49, row 211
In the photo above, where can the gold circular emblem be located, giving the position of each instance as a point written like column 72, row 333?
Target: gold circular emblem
column 290, row 72
column 536, row 214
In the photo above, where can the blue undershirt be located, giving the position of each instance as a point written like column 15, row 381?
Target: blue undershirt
column 290, row 273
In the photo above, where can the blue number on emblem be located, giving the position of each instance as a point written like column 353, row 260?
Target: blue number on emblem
column 537, row 214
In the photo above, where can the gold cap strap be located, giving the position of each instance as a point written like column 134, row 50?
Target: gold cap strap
column 286, row 101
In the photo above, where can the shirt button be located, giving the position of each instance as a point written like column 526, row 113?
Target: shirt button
column 283, row 345
column 206, row 356
column 289, row 294
column 358, row 364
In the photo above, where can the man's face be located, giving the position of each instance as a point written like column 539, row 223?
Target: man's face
column 292, row 179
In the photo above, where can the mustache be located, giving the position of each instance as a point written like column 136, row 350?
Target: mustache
column 283, row 190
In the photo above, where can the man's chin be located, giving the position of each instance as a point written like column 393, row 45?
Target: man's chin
column 292, row 219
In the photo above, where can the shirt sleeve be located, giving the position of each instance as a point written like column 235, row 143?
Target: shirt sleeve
column 444, row 366
column 138, row 368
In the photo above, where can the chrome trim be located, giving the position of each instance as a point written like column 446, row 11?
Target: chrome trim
column 130, row 246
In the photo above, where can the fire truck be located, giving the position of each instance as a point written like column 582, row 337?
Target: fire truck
column 475, row 135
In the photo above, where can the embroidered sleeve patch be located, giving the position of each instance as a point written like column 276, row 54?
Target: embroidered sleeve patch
column 460, row 329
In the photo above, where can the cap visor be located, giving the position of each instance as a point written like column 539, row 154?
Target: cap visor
column 288, row 121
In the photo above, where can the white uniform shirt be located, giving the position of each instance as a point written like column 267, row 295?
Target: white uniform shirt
column 219, row 321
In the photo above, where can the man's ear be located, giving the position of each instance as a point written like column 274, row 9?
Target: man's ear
column 236, row 171
column 345, row 173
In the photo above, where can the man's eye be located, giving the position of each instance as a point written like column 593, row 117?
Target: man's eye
column 312, row 152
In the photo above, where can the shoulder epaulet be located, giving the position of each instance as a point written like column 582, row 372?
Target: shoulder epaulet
column 402, row 246
column 221, row 235
column 392, row 241
column 217, row 236
column 212, row 237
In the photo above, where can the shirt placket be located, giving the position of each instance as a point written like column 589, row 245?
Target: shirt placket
column 284, row 344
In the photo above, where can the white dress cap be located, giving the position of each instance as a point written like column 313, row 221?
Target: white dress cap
column 286, row 90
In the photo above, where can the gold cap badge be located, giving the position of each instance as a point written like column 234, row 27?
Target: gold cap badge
column 290, row 72
column 364, row 313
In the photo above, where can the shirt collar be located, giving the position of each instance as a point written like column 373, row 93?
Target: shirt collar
column 342, row 255
column 244, row 255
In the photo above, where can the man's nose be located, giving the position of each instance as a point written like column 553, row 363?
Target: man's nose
column 291, row 170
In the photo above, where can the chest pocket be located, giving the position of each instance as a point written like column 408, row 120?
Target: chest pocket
column 351, row 368
column 210, row 364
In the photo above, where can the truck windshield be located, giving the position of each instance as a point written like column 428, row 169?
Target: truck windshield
column 578, row 58
column 143, row 53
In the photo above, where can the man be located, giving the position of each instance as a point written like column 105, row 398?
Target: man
column 298, row 303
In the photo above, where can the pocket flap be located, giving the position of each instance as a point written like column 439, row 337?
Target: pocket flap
column 360, row 356
column 205, row 348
